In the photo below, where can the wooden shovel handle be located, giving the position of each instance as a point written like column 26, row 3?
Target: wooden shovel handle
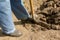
column 32, row 10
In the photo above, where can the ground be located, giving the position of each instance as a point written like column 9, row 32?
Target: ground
column 29, row 33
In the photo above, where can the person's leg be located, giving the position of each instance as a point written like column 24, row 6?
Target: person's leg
column 19, row 9
column 6, row 21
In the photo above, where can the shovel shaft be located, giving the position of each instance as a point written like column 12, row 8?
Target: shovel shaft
column 32, row 10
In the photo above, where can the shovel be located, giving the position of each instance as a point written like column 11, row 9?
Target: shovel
column 32, row 10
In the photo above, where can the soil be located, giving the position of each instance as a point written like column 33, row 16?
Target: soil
column 31, row 31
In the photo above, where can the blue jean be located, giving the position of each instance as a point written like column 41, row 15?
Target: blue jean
column 19, row 9
column 6, row 21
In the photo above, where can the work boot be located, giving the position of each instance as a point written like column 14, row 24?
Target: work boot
column 29, row 20
column 14, row 34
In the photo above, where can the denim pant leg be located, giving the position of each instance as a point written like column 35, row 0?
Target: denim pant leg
column 19, row 9
column 6, row 22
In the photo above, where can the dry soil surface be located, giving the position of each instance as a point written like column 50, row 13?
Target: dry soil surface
column 29, row 33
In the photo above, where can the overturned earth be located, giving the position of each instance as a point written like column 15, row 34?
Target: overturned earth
column 47, row 14
column 47, row 17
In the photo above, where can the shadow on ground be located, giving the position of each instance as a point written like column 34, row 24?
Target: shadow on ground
column 22, row 23
column 17, row 23
column 1, row 34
